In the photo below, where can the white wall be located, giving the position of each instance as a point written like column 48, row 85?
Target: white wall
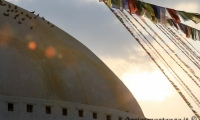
column 38, row 113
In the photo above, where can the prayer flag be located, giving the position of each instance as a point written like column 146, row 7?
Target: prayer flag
column 189, row 16
column 174, row 15
column 199, row 34
column 116, row 2
column 173, row 23
column 150, row 13
column 160, row 13
column 125, row 4
column 141, row 8
column 132, row 6
column 187, row 31
column 193, row 33
column 182, row 27
column 108, row 2
column 163, row 18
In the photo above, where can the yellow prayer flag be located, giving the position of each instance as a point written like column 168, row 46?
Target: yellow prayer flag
column 109, row 3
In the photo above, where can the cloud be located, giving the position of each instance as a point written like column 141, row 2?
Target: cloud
column 177, row 4
column 13, row 0
column 17, row 1
column 191, row 7
column 148, row 87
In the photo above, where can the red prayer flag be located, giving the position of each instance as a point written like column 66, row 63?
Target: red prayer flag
column 174, row 15
column 132, row 6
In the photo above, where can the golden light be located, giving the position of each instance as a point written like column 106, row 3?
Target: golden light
column 50, row 52
column 148, row 86
column 32, row 45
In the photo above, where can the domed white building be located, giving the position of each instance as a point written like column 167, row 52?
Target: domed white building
column 46, row 74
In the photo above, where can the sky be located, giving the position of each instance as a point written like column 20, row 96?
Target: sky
column 91, row 22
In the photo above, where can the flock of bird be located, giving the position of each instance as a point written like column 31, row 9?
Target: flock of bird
column 18, row 13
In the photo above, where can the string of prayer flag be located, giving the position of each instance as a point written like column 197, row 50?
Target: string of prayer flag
column 186, row 41
column 140, row 11
column 168, row 52
column 186, row 88
column 178, row 90
column 158, row 14
column 179, row 46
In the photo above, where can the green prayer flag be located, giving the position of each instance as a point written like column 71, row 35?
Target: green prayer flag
column 194, row 18
column 147, row 14
column 116, row 2
column 150, row 13
column 189, row 16
column 183, row 15
column 141, row 7
column 192, row 33
column 149, row 9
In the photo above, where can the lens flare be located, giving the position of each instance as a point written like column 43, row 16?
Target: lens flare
column 50, row 52
column 32, row 45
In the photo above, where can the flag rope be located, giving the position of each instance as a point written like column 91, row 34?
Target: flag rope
column 190, row 69
column 168, row 52
column 185, row 39
column 182, row 42
column 170, row 49
column 195, row 52
column 185, row 87
column 179, row 46
column 178, row 90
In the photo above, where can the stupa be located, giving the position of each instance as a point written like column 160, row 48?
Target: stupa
column 46, row 74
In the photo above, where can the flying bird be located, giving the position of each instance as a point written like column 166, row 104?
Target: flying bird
column 12, row 10
column 8, row 10
column 48, row 22
column 15, row 7
column 30, row 17
column 27, row 15
column 9, row 6
column 31, row 27
column 23, row 18
column 52, row 25
column 16, row 11
column 19, row 22
column 21, row 12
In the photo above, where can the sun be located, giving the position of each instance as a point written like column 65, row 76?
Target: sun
column 148, row 86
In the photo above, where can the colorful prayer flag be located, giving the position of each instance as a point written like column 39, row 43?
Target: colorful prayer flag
column 174, row 15
column 141, row 8
column 189, row 16
column 160, row 13
column 132, row 6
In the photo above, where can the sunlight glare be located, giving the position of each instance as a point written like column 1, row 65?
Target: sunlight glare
column 148, row 86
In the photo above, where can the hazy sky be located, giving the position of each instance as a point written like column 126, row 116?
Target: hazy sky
column 96, row 27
